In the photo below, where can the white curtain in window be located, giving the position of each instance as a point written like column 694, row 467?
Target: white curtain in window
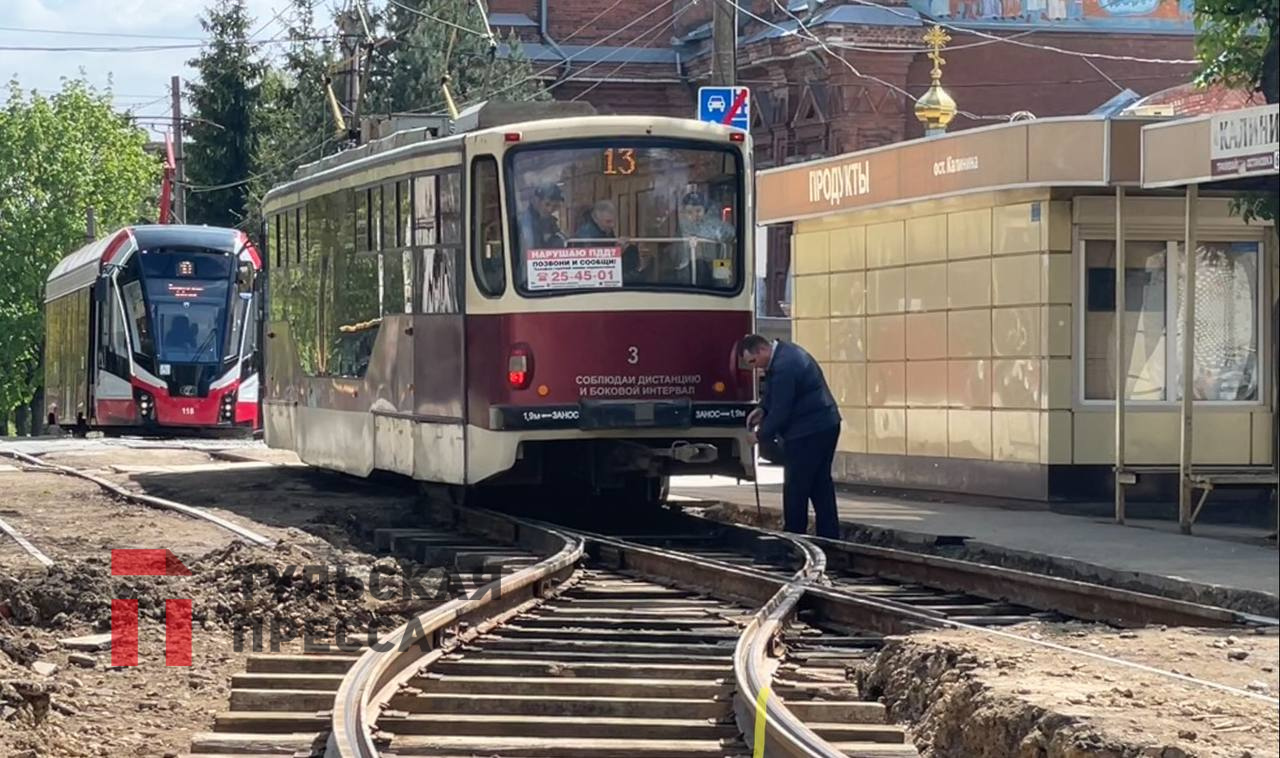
column 1226, row 338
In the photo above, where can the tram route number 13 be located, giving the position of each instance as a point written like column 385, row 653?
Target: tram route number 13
column 620, row 161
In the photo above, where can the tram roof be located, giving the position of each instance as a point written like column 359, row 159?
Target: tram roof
column 481, row 119
column 81, row 267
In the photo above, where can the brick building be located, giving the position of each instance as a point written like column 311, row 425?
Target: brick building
column 856, row 89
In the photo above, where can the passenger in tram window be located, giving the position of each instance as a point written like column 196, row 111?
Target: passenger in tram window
column 638, row 266
column 704, row 236
column 539, row 225
column 601, row 224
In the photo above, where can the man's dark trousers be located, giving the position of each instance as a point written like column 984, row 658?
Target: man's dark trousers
column 806, row 474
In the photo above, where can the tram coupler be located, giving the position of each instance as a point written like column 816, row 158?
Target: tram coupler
column 693, row 452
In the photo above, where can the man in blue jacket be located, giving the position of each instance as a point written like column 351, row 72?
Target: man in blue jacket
column 797, row 408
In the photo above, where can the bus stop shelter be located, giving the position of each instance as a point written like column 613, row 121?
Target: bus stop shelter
column 1236, row 152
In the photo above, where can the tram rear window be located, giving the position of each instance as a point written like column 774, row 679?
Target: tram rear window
column 626, row 214
column 185, row 264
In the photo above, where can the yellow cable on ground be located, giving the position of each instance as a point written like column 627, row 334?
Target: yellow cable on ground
column 761, row 722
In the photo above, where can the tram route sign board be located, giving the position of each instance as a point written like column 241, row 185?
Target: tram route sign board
column 730, row 106
column 574, row 268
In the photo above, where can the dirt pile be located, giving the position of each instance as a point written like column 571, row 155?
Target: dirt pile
column 966, row 695
column 953, row 713
column 25, row 694
column 287, row 589
column 290, row 587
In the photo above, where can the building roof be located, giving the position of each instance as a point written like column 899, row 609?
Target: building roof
column 510, row 19
column 540, row 53
column 1191, row 100
column 852, row 14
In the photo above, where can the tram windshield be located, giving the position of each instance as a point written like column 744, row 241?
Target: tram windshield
column 178, row 307
column 626, row 214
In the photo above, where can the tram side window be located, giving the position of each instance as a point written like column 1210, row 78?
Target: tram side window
column 439, row 247
column 136, row 308
column 404, row 212
column 364, row 215
column 424, row 210
column 113, row 346
column 308, row 286
column 53, row 342
column 299, row 227
column 488, row 254
column 355, row 294
column 277, row 237
column 390, row 224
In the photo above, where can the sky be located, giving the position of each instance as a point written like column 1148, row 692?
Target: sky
column 139, row 80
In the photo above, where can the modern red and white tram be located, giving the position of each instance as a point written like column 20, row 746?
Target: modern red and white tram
column 550, row 301
column 155, row 329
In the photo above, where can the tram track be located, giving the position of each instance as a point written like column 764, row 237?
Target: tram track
column 692, row 637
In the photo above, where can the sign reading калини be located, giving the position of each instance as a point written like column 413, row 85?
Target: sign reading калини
column 1245, row 142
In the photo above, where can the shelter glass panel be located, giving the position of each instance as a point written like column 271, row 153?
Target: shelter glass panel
column 1227, row 327
column 1144, row 320
column 1225, row 347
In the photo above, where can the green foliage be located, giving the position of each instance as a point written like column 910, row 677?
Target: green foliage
column 292, row 121
column 1232, row 37
column 225, row 99
column 58, row 156
column 406, row 73
column 1238, row 43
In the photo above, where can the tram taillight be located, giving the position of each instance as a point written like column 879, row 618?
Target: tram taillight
column 520, row 367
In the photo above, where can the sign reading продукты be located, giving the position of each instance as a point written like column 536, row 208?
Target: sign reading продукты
column 730, row 106
column 574, row 267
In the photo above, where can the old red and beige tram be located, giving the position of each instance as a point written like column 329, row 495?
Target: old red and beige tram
column 549, row 301
column 154, row 329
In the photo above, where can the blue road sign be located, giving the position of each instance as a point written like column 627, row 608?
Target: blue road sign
column 730, row 106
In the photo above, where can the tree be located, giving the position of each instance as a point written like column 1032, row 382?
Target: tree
column 1238, row 43
column 224, row 99
column 407, row 72
column 58, row 156
column 292, row 121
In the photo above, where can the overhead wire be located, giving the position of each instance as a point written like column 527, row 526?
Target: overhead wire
column 196, row 189
column 607, row 77
column 439, row 20
column 558, row 64
column 78, row 33
column 594, row 19
column 134, row 48
column 808, row 34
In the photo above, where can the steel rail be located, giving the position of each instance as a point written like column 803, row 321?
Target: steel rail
column 1082, row 600
column 760, row 717
column 138, row 497
column 784, row 733
column 391, row 660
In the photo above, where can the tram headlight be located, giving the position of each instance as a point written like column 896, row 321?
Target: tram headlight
column 146, row 403
column 228, row 408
